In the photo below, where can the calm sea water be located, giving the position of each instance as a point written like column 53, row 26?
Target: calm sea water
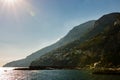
column 8, row 74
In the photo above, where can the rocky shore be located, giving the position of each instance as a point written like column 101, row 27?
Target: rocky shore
column 112, row 71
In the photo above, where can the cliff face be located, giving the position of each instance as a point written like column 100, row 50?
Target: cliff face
column 100, row 44
column 74, row 34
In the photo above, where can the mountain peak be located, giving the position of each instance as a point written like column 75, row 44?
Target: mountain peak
column 109, row 18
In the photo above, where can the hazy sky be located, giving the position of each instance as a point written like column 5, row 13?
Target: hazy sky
column 29, row 25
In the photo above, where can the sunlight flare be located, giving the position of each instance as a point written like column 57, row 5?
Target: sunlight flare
column 10, row 1
column 17, row 7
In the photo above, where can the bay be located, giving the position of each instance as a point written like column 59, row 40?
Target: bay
column 10, row 74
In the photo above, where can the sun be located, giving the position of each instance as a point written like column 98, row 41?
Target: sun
column 17, row 7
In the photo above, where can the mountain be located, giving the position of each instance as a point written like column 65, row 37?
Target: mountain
column 105, row 46
column 74, row 34
column 100, row 46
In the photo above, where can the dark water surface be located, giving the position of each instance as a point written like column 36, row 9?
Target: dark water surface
column 8, row 74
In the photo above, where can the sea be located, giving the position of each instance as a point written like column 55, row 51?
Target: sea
column 10, row 74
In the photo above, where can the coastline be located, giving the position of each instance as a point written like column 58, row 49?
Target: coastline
column 48, row 68
column 106, row 71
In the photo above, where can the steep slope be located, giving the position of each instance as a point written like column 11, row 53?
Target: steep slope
column 74, row 34
column 105, row 46
column 101, row 45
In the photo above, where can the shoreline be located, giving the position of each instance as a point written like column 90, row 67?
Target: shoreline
column 106, row 71
column 99, row 71
column 48, row 68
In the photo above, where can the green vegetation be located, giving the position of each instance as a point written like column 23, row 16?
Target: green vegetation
column 98, row 48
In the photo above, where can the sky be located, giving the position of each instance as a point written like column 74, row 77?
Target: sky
column 29, row 25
